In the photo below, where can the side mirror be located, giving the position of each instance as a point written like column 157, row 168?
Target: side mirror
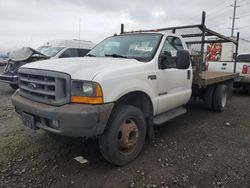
column 183, row 59
column 167, row 61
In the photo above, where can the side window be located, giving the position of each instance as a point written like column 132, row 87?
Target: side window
column 71, row 52
column 83, row 52
column 169, row 51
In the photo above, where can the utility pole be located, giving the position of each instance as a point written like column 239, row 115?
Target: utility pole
column 234, row 17
column 235, row 6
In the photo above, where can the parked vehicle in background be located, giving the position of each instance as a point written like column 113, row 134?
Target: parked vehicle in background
column 66, row 48
column 122, row 88
column 242, row 67
column 52, row 49
column 16, row 59
column 3, row 59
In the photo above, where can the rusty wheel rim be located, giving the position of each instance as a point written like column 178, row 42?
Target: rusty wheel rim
column 128, row 136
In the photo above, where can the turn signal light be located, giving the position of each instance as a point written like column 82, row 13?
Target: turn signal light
column 86, row 100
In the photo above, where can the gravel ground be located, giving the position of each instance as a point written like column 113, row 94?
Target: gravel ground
column 198, row 149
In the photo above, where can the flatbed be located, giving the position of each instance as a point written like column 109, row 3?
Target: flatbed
column 210, row 78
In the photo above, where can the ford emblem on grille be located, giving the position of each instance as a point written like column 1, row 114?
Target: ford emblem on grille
column 32, row 86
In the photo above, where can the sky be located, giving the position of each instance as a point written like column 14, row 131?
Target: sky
column 34, row 22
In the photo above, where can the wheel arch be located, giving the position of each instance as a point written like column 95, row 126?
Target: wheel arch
column 142, row 101
column 138, row 99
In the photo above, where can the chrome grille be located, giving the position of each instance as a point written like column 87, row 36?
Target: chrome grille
column 44, row 86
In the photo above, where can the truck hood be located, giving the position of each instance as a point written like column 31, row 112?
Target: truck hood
column 85, row 68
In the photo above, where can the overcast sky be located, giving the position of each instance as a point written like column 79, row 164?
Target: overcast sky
column 34, row 22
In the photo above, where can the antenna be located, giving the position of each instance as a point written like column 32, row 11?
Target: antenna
column 79, row 32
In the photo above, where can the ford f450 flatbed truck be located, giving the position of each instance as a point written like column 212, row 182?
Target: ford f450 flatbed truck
column 125, row 85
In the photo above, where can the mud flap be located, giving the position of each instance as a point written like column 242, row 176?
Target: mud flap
column 150, row 129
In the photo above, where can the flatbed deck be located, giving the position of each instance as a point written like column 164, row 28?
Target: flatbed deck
column 209, row 78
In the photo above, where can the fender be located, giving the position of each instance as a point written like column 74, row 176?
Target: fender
column 120, row 89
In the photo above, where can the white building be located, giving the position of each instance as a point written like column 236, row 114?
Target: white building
column 228, row 49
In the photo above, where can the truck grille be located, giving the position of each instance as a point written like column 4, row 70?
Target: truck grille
column 44, row 86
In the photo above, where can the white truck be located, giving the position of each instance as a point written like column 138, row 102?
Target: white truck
column 242, row 67
column 127, row 84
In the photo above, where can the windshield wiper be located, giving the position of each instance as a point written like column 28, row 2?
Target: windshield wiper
column 116, row 55
column 91, row 55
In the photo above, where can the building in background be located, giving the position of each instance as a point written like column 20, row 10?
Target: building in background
column 228, row 49
column 220, row 51
column 214, row 51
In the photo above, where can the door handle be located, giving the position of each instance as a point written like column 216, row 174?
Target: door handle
column 188, row 74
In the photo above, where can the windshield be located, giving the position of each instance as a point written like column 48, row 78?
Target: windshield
column 42, row 48
column 138, row 46
column 51, row 51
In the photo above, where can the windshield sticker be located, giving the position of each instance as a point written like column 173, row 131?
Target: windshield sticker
column 144, row 48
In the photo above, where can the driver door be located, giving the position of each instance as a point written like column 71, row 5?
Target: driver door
column 174, row 85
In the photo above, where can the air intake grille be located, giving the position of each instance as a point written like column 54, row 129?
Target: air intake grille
column 44, row 86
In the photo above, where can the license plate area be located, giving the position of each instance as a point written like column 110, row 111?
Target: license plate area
column 28, row 121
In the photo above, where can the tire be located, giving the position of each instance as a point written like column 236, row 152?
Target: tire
column 208, row 98
column 246, row 89
column 124, row 136
column 14, row 86
column 220, row 98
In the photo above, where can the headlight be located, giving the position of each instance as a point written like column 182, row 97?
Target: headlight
column 86, row 92
column 88, row 89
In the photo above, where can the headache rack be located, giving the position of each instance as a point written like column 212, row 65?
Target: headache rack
column 197, row 34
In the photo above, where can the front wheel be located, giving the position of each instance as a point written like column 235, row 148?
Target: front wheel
column 125, row 135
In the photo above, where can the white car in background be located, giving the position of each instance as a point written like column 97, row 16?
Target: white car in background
column 51, row 50
column 66, row 48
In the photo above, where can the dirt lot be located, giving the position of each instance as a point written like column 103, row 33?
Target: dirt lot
column 198, row 149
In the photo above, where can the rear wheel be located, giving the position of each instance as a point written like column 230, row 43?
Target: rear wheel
column 14, row 86
column 220, row 98
column 125, row 135
column 208, row 98
column 247, row 89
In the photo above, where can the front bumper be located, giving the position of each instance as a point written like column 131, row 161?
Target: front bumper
column 10, row 79
column 76, row 120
